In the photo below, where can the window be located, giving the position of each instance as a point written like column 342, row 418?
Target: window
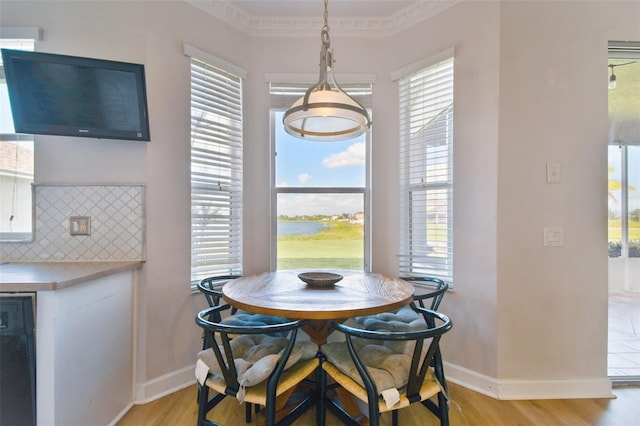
column 426, row 170
column 16, row 164
column 216, row 166
column 624, row 150
column 321, row 193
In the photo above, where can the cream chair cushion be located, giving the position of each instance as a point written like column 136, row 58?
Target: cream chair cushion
column 388, row 362
column 256, row 356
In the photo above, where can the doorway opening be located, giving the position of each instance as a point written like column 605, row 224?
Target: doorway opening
column 624, row 212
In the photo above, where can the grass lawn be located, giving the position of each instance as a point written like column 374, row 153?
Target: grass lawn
column 615, row 232
column 338, row 246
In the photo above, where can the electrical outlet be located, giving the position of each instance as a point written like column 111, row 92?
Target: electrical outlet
column 553, row 172
column 80, row 225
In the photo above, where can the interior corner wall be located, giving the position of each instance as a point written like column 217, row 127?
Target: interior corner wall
column 552, row 301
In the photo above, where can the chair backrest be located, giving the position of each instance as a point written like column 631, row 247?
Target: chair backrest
column 428, row 289
column 423, row 355
column 211, row 287
column 223, row 338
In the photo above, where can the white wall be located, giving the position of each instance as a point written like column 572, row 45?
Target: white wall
column 527, row 91
column 553, row 108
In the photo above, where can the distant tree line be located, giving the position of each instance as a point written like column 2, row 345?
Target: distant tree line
column 317, row 217
column 634, row 215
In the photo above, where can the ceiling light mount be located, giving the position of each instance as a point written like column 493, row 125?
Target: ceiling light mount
column 326, row 112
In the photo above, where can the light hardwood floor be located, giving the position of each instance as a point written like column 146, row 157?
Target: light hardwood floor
column 468, row 408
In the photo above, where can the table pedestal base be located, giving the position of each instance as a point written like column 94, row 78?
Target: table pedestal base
column 318, row 331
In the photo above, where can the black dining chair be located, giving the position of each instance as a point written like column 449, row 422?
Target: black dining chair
column 429, row 292
column 211, row 288
column 255, row 364
column 380, row 366
column 427, row 289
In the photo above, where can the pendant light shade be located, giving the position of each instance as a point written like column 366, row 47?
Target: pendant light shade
column 326, row 112
column 326, row 115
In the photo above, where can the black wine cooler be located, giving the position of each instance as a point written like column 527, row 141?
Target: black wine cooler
column 17, row 360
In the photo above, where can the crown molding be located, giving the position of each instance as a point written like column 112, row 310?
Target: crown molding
column 258, row 26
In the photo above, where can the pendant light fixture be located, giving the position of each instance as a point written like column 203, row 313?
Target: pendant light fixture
column 326, row 112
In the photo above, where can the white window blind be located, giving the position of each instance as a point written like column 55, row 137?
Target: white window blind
column 426, row 171
column 283, row 95
column 216, row 171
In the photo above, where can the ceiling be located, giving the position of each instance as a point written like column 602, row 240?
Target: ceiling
column 291, row 18
column 315, row 8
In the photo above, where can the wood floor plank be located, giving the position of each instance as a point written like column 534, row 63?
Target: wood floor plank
column 180, row 408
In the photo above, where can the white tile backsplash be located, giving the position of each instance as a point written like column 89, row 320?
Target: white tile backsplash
column 117, row 224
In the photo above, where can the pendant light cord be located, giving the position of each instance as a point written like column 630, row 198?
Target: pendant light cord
column 326, row 112
column 326, row 14
column 324, row 34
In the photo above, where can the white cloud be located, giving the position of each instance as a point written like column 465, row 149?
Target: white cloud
column 283, row 184
column 324, row 204
column 303, row 178
column 354, row 155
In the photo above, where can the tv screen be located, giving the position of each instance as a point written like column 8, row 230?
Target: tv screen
column 73, row 96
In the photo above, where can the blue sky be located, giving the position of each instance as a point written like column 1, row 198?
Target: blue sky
column 302, row 163
column 309, row 164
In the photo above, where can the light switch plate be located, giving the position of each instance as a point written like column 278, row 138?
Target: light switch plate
column 553, row 236
column 80, row 225
column 553, row 172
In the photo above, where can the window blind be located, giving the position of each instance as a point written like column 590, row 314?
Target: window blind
column 283, row 95
column 216, row 171
column 426, row 171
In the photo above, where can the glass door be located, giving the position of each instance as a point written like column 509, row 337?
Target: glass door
column 624, row 211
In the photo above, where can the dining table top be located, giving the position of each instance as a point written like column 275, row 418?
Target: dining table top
column 282, row 293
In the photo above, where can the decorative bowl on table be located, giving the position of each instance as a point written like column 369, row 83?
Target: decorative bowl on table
column 320, row 279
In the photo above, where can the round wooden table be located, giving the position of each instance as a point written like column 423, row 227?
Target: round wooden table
column 283, row 294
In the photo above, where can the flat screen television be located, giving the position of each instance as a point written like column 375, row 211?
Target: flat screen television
column 64, row 95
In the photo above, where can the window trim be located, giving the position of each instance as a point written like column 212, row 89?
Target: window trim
column 279, row 103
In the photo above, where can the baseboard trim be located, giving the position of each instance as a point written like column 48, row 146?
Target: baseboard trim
column 489, row 386
column 165, row 385
column 555, row 389
column 471, row 380
column 529, row 389
column 121, row 414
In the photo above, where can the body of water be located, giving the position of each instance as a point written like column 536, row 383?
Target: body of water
column 299, row 228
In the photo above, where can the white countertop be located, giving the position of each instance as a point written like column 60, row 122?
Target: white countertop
column 51, row 276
